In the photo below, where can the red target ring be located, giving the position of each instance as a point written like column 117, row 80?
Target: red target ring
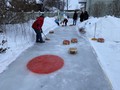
column 45, row 64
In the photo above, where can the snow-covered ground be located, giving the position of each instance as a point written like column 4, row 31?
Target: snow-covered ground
column 108, row 52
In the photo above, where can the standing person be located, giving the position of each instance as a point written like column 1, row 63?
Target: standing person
column 86, row 16
column 75, row 16
column 37, row 26
column 82, row 17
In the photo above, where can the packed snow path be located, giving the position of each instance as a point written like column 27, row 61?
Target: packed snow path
column 80, row 71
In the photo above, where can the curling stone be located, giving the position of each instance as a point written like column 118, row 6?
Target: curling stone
column 74, row 40
column 101, row 40
column 82, row 30
column 72, row 50
column 66, row 42
column 94, row 39
column 51, row 32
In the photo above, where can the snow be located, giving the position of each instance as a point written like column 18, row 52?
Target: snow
column 8, row 4
column 20, row 37
column 108, row 53
column 39, row 1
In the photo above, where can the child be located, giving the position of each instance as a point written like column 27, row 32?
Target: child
column 57, row 21
column 65, row 21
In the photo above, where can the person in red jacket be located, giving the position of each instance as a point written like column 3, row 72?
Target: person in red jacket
column 37, row 26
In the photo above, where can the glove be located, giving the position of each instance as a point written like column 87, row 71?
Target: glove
column 41, row 31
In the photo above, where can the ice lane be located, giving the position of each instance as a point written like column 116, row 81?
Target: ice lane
column 80, row 71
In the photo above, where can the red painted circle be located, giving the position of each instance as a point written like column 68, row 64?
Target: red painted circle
column 45, row 64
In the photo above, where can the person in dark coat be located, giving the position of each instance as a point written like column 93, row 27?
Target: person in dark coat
column 37, row 26
column 75, row 16
column 65, row 21
column 86, row 16
column 82, row 17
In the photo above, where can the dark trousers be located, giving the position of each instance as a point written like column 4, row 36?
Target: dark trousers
column 65, row 22
column 74, row 22
column 38, row 35
column 57, row 23
column 81, row 19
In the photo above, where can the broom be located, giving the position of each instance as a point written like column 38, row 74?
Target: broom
column 45, row 37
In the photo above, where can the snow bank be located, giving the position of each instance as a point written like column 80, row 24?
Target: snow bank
column 106, row 27
column 20, row 37
column 108, row 53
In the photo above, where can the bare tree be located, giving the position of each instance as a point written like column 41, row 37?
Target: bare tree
column 98, row 9
column 3, row 11
column 114, row 7
column 54, row 3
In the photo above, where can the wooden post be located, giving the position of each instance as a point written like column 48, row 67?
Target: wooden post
column 95, row 29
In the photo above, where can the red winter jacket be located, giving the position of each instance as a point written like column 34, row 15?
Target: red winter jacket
column 37, row 25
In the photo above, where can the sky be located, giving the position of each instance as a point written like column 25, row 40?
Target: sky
column 108, row 53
